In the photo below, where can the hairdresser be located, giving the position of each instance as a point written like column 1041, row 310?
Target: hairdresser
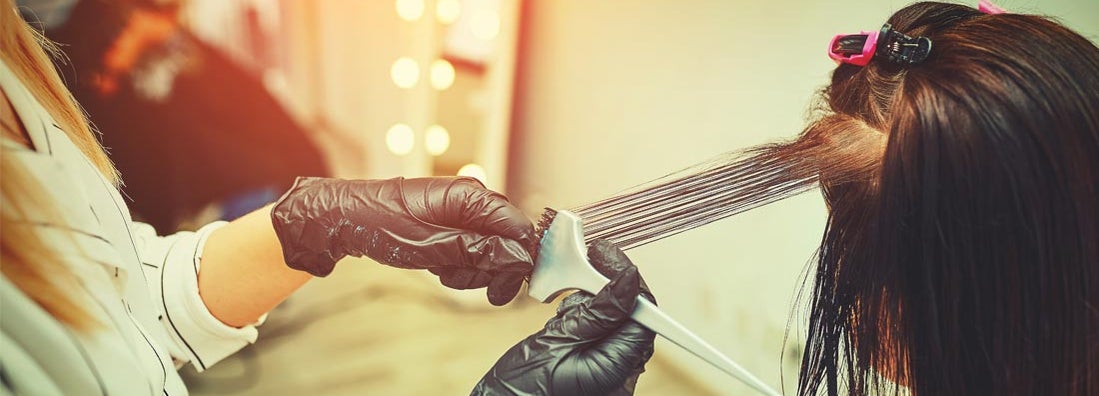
column 95, row 303
column 961, row 254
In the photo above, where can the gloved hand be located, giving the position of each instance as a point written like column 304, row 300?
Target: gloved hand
column 591, row 347
column 466, row 234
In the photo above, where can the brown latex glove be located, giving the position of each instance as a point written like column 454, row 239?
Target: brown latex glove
column 469, row 236
column 591, row 347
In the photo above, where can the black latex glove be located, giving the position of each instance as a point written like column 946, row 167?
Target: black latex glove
column 469, row 236
column 591, row 347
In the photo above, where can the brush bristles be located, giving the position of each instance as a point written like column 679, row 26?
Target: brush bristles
column 548, row 214
column 835, row 150
column 699, row 195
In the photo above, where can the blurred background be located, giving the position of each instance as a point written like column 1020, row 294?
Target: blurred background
column 211, row 107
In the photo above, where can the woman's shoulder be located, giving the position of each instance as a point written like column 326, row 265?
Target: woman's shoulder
column 66, row 206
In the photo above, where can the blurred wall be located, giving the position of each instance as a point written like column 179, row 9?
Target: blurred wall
column 615, row 93
column 340, row 57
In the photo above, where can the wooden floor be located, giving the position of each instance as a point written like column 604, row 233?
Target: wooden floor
column 369, row 329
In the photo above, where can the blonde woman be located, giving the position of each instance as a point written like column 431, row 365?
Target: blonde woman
column 95, row 303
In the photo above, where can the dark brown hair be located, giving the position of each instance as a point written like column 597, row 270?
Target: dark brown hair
column 966, row 260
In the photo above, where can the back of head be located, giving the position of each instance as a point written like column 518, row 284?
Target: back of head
column 967, row 261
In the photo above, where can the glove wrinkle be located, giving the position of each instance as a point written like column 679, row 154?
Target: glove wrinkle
column 459, row 214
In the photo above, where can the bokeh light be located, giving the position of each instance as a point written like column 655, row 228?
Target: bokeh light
column 410, row 10
column 442, row 74
column 473, row 170
column 405, row 72
column 436, row 140
column 400, row 139
column 447, row 11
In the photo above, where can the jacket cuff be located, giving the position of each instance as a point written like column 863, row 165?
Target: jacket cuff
column 201, row 335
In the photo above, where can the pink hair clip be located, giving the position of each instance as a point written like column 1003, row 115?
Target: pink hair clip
column 987, row 7
column 855, row 49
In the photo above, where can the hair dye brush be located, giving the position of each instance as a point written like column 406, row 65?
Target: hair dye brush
column 562, row 265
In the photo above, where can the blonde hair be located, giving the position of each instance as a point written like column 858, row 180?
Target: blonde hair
column 28, row 262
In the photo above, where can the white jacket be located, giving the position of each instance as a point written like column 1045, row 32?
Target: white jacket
column 143, row 289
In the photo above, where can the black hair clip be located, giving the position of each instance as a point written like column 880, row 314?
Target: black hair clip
column 888, row 44
column 899, row 48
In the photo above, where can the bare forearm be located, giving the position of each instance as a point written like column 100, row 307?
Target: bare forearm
column 242, row 274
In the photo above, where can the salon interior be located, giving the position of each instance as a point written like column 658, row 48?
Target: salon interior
column 555, row 103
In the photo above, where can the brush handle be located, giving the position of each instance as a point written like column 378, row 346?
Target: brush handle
column 563, row 265
column 648, row 315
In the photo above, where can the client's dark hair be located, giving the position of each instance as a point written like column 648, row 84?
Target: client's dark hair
column 967, row 261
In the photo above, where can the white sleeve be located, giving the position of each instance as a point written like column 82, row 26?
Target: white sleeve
column 196, row 335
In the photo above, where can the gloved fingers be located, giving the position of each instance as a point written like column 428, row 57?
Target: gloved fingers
column 525, row 369
column 493, row 253
column 571, row 301
column 588, row 374
column 614, row 362
column 607, row 365
column 631, row 345
column 463, row 203
column 590, row 347
column 461, row 249
column 301, row 231
column 501, row 286
column 485, row 211
column 608, row 259
column 596, row 317
column 504, row 286
column 461, row 278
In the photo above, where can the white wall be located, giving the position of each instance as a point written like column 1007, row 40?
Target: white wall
column 619, row 92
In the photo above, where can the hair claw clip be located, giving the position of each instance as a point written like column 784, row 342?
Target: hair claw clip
column 888, row 44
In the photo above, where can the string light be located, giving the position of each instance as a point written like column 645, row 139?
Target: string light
column 436, row 140
column 400, row 139
column 473, row 170
column 442, row 74
column 410, row 10
column 405, row 73
column 447, row 11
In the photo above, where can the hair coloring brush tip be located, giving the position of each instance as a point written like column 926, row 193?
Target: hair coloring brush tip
column 548, row 214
